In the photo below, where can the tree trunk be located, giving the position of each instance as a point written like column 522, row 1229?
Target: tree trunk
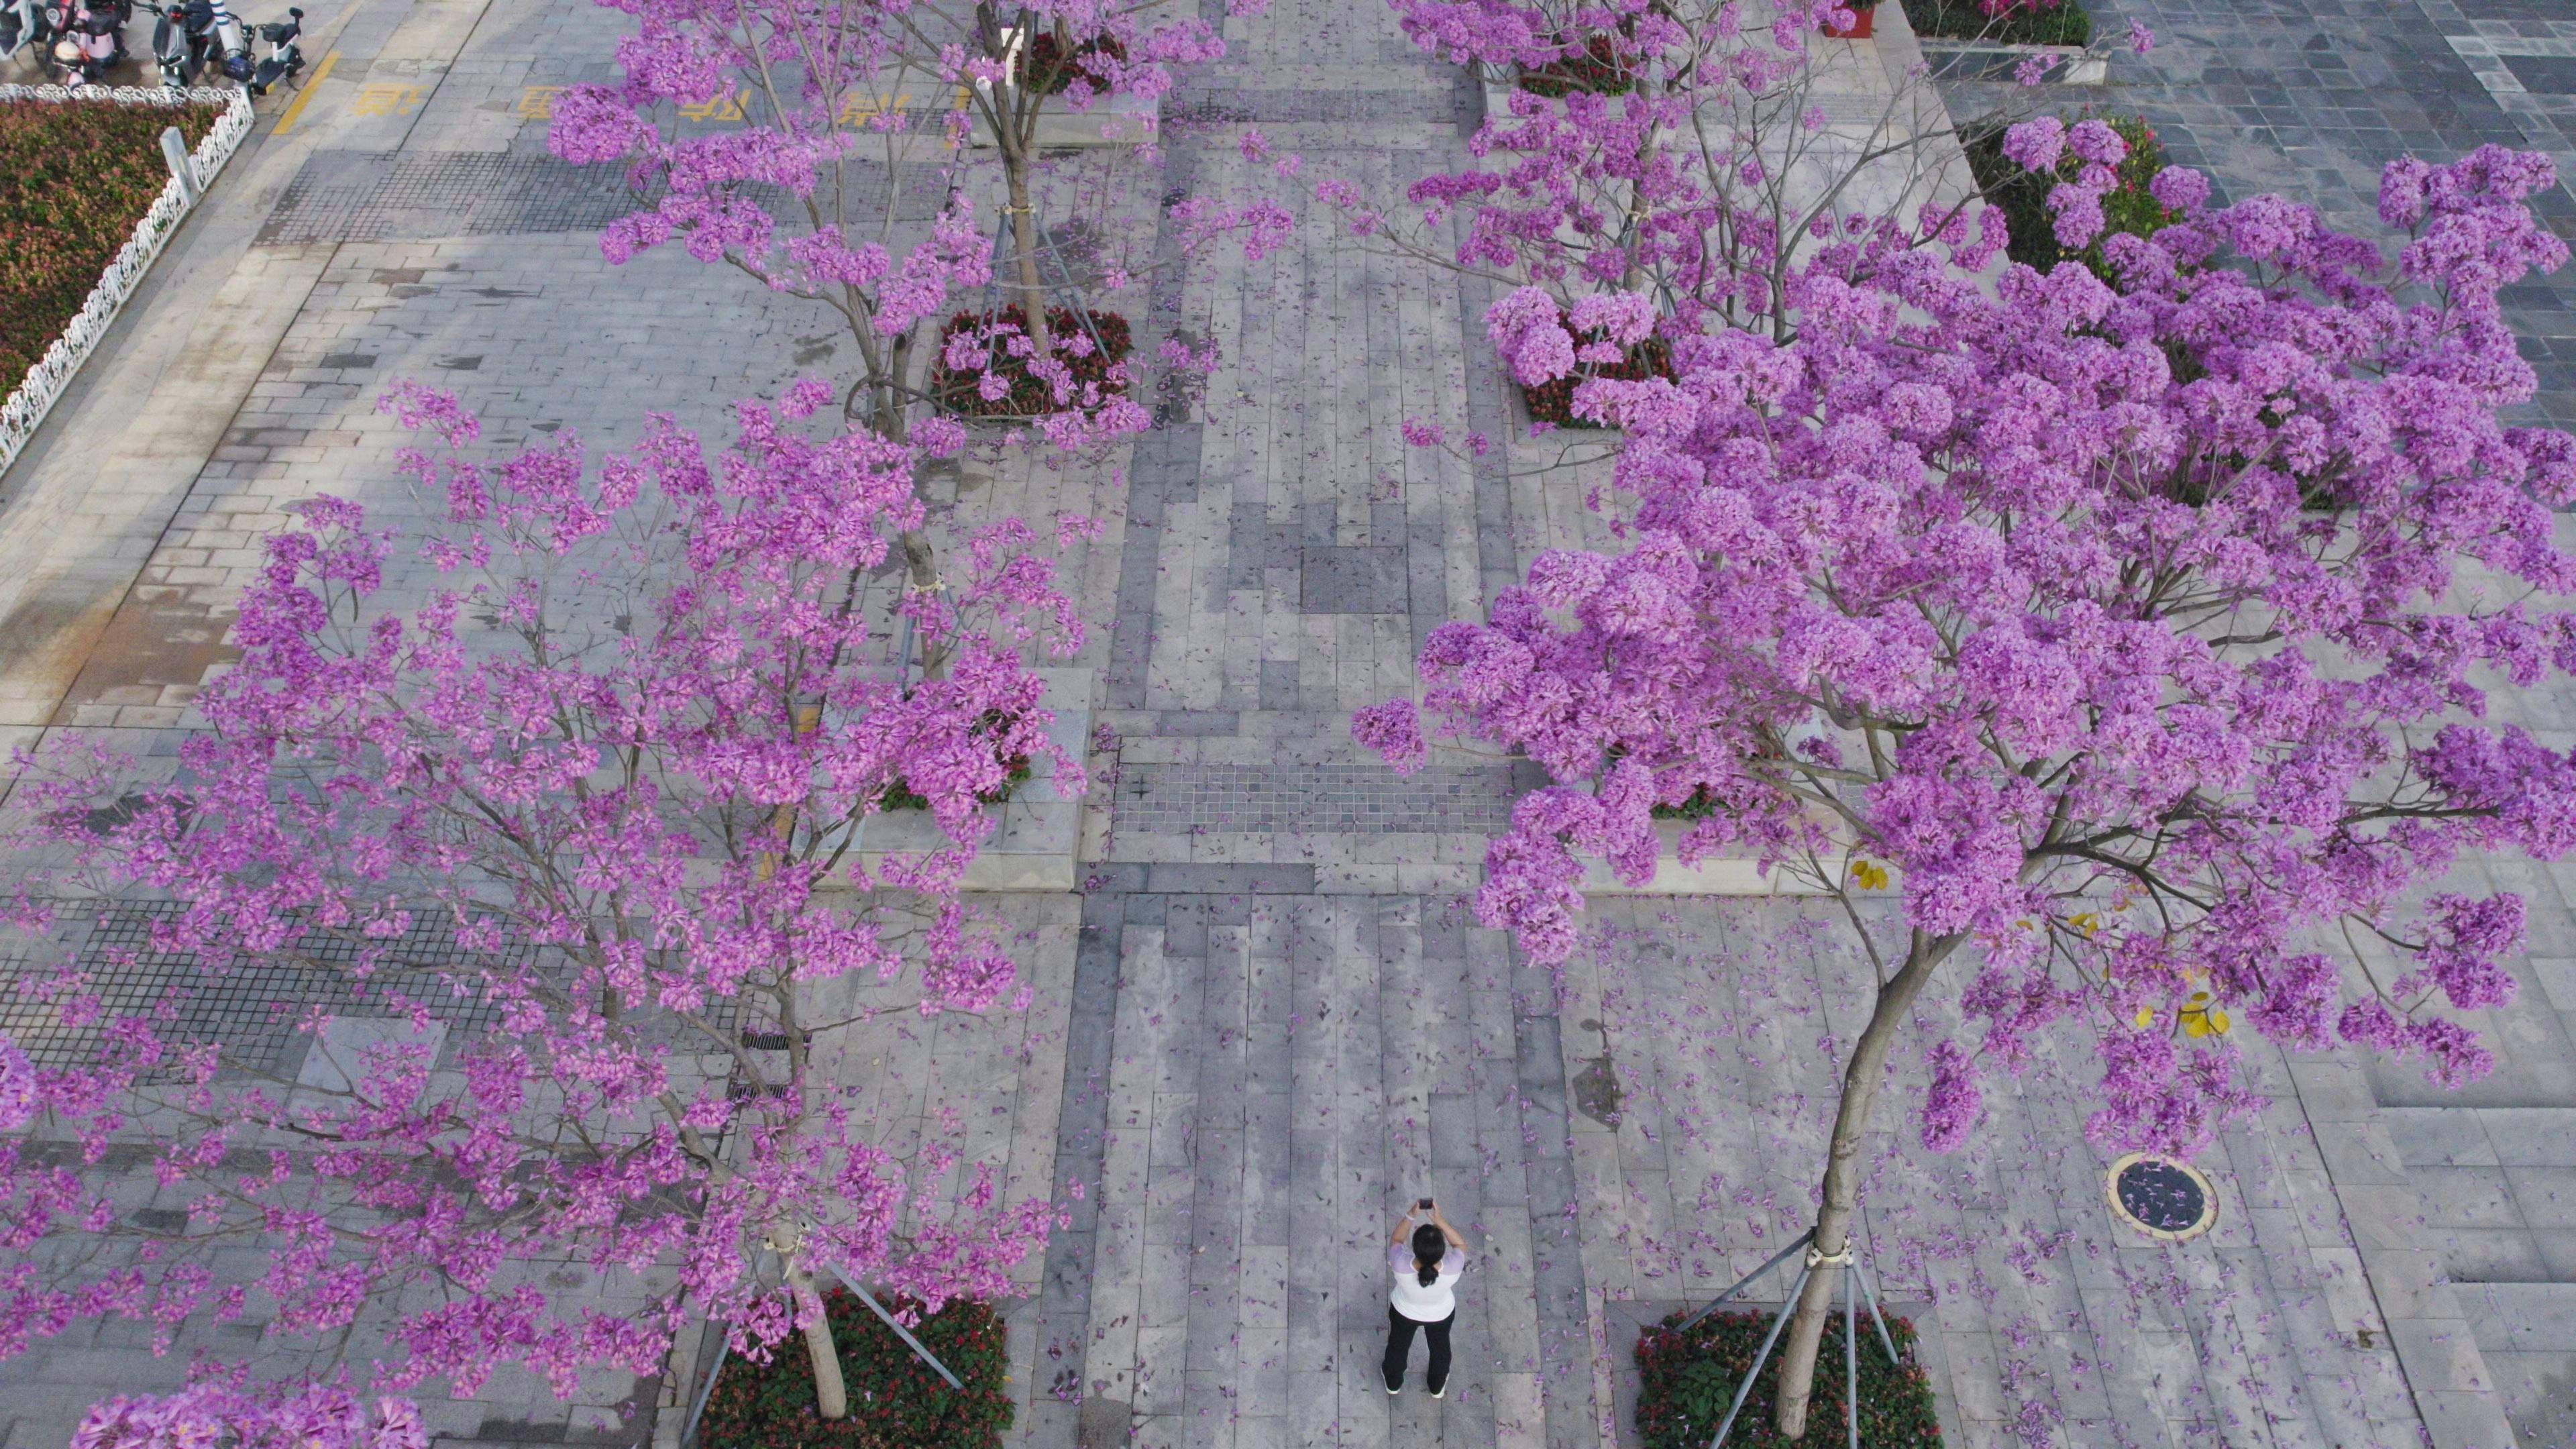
column 1024, row 233
column 831, row 1394
column 1842, row 1176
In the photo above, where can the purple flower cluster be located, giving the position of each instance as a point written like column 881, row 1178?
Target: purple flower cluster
column 222, row 1414
column 2119, row 619
column 623, row 760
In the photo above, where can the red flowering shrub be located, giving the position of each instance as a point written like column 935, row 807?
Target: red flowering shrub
column 74, row 179
column 896, row 1402
column 1685, row 1382
column 1093, row 365
column 1553, row 402
column 1044, row 59
column 1594, row 68
column 900, row 796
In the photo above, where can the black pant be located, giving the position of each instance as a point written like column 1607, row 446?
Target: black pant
column 1399, row 1346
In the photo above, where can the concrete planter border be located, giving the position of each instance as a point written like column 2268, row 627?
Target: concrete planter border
column 1968, row 60
column 1727, row 873
column 1118, row 120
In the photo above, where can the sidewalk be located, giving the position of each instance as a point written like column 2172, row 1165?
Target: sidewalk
column 1275, row 1022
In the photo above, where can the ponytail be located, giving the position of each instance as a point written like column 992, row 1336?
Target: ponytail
column 1430, row 1245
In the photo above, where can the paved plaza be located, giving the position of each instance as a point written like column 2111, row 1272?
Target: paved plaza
column 1266, row 1019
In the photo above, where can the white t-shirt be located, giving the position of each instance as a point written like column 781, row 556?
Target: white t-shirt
column 1410, row 1298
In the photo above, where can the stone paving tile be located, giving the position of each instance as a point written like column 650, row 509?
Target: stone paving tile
column 1281, row 1076
column 1361, row 796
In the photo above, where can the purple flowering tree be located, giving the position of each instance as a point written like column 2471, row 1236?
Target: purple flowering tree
column 1022, row 59
column 1669, row 151
column 619, row 767
column 2133, row 637
column 835, row 123
column 223, row 1413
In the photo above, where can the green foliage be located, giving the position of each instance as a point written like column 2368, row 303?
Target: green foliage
column 1698, row 807
column 896, row 1402
column 1687, row 1380
column 2023, row 195
column 1030, row 396
column 74, row 180
column 2028, row 24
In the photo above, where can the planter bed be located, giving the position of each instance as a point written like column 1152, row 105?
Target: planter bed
column 1553, row 402
column 1029, row 396
column 1038, row 828
column 86, row 203
column 1686, row 1382
column 2066, row 24
column 896, row 1401
column 2022, row 195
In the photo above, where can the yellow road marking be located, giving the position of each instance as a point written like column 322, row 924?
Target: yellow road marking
column 304, row 93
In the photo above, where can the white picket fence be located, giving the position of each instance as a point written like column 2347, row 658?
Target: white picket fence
column 35, row 397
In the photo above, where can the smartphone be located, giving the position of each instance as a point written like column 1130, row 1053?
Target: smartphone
column 1426, row 1204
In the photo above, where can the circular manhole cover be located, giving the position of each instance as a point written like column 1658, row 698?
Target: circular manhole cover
column 2161, row 1198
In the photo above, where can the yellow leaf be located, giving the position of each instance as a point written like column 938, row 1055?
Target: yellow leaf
column 2195, row 1024
column 1870, row 877
column 2085, row 923
column 2146, row 1017
column 2218, row 1021
column 2200, row 998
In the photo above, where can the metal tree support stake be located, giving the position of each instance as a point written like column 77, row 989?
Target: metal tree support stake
column 1778, row 1258
column 1855, row 1287
column 174, row 150
column 903, row 1333
column 689, row 1430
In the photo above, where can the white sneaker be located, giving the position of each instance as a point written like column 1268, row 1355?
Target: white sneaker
column 1391, row 1393
column 1443, row 1389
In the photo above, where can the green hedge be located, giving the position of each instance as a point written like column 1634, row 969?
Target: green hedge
column 1689, row 1379
column 2060, row 24
column 2023, row 195
column 896, row 1402
column 75, row 177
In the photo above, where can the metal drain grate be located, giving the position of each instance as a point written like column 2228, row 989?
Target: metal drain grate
column 382, row 196
column 431, row 195
column 251, row 1007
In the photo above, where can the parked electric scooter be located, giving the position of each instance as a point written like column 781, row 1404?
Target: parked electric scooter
column 190, row 37
column 26, row 23
column 172, row 48
column 285, row 57
column 89, row 37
